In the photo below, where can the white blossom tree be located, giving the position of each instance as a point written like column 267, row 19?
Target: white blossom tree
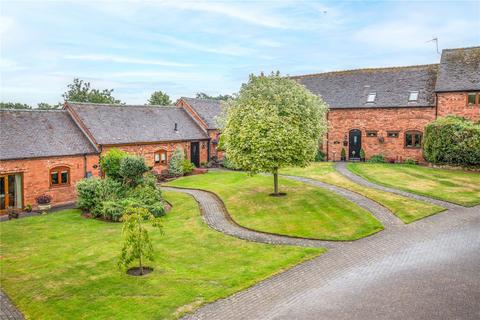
column 273, row 123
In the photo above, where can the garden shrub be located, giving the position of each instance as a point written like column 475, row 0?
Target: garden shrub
column 362, row 154
column 176, row 163
column 409, row 161
column 228, row 164
column 187, row 166
column 320, row 156
column 110, row 163
column 452, row 140
column 132, row 169
column 87, row 193
column 109, row 198
column 378, row 158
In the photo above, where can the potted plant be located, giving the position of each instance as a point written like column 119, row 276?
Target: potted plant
column 362, row 155
column 43, row 202
column 28, row 208
column 12, row 213
column 343, row 155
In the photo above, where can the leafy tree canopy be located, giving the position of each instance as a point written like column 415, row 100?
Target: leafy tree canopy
column 14, row 105
column 47, row 106
column 159, row 98
column 203, row 95
column 19, row 106
column 80, row 91
column 273, row 123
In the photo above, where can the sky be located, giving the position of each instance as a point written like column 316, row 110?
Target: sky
column 184, row 47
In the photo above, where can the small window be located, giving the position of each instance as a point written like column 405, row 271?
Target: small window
column 371, row 133
column 413, row 97
column 472, row 99
column 413, row 139
column 160, row 157
column 371, row 97
column 392, row 134
column 59, row 176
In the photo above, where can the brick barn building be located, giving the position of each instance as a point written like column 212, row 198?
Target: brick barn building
column 382, row 111
column 385, row 110
column 48, row 152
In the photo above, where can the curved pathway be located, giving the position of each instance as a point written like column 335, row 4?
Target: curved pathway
column 384, row 215
column 341, row 167
column 216, row 216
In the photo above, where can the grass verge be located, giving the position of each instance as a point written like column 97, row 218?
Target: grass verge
column 306, row 211
column 63, row 266
column 455, row 186
column 406, row 209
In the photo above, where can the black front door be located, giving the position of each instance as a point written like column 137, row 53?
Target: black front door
column 354, row 144
column 195, row 153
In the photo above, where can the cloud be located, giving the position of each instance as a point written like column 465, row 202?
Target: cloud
column 120, row 59
column 249, row 14
column 232, row 50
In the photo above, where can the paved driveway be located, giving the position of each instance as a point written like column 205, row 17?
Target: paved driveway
column 429, row 269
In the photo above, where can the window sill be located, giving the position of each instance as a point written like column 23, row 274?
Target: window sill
column 59, row 186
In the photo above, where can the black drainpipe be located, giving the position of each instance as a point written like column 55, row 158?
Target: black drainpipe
column 84, row 165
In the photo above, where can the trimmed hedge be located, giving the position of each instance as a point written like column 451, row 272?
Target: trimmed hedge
column 452, row 140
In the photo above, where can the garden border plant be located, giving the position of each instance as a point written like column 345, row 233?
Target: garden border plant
column 126, row 185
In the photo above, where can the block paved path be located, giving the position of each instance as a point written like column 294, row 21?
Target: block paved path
column 341, row 167
column 428, row 269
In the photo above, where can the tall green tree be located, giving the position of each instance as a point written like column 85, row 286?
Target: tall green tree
column 203, row 95
column 14, row 105
column 273, row 123
column 159, row 98
column 80, row 91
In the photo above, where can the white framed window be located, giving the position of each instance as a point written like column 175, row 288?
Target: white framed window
column 371, row 97
column 413, row 96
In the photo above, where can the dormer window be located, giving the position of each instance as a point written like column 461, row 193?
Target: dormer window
column 413, row 97
column 371, row 97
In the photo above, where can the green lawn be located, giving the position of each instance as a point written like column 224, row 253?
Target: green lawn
column 406, row 209
column 63, row 266
column 306, row 211
column 455, row 186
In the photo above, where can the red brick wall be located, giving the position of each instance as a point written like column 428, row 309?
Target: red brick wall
column 36, row 176
column 455, row 103
column 341, row 121
column 148, row 151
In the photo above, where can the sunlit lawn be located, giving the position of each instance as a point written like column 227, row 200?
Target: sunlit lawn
column 63, row 266
column 306, row 211
column 406, row 209
column 450, row 185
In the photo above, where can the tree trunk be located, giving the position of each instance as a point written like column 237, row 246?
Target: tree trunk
column 275, row 182
column 140, row 255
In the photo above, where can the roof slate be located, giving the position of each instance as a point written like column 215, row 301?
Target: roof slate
column 350, row 89
column 459, row 70
column 35, row 133
column 207, row 109
column 125, row 124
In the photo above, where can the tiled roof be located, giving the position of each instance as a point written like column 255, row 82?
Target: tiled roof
column 459, row 70
column 392, row 86
column 207, row 109
column 124, row 124
column 40, row 133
